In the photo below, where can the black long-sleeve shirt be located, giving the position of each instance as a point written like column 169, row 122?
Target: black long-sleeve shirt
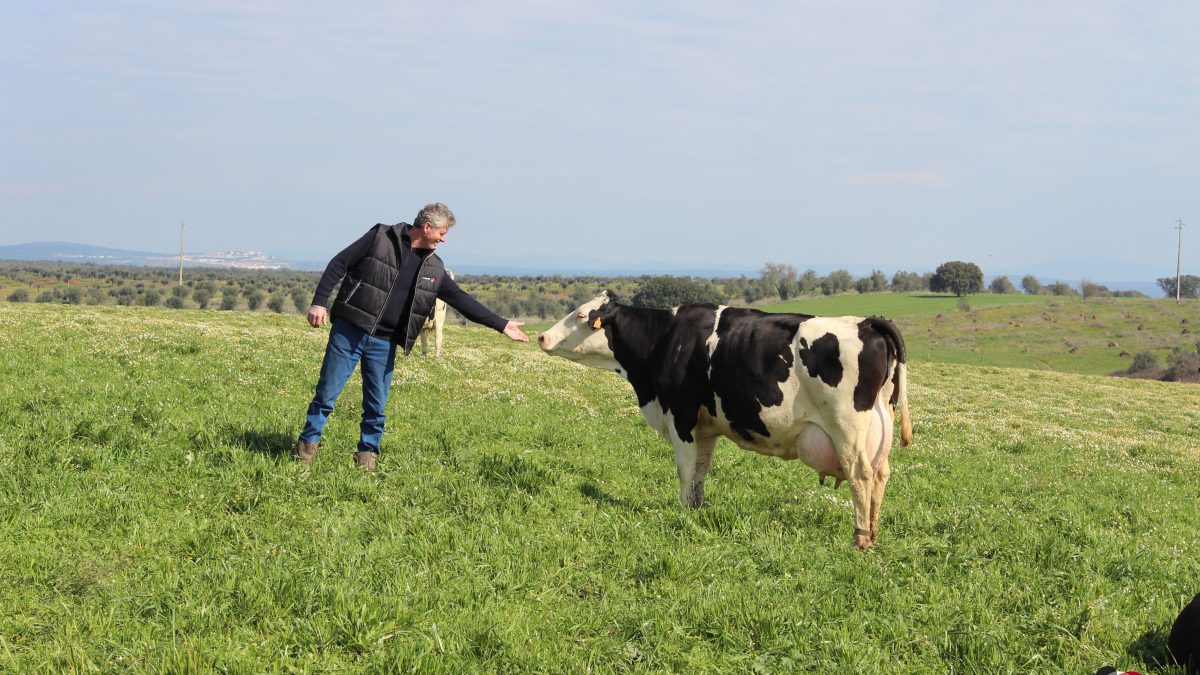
column 395, row 314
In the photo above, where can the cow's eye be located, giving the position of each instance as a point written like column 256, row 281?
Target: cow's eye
column 582, row 316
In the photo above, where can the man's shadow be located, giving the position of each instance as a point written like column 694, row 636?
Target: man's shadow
column 269, row 442
column 1151, row 648
column 594, row 492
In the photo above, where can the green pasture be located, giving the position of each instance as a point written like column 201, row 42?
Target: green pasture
column 1068, row 334
column 524, row 518
column 893, row 305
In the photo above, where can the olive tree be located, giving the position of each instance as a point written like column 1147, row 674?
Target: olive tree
column 907, row 282
column 668, row 291
column 783, row 277
column 1002, row 285
column 837, row 281
column 301, row 299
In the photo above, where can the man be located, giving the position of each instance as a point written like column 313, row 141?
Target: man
column 390, row 280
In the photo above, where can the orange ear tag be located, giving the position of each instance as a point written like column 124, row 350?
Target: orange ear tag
column 596, row 323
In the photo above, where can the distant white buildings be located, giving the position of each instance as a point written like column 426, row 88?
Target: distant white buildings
column 246, row 260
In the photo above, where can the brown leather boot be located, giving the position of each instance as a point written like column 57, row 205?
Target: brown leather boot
column 365, row 461
column 306, row 451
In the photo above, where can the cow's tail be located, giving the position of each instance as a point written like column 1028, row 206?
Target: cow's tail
column 899, row 376
column 902, row 403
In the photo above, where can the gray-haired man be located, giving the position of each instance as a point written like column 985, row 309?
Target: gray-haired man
column 391, row 278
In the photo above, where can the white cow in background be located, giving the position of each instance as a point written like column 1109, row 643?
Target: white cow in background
column 434, row 323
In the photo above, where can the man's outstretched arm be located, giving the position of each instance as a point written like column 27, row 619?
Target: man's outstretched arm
column 474, row 310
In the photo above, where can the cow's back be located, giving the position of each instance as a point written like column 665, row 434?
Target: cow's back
column 774, row 374
column 751, row 368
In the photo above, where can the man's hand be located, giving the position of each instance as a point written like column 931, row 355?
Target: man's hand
column 513, row 330
column 318, row 316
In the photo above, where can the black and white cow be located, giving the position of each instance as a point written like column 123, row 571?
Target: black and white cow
column 1184, row 640
column 819, row 389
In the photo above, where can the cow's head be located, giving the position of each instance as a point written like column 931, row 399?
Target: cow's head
column 580, row 335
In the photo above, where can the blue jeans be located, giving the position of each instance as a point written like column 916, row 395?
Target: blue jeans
column 348, row 347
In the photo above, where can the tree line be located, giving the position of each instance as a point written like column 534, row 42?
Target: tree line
column 529, row 296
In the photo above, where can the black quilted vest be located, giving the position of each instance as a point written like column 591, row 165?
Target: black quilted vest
column 370, row 282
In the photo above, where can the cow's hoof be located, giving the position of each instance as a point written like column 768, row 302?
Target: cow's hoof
column 863, row 540
column 692, row 498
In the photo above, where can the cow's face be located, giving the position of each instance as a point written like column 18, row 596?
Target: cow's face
column 580, row 335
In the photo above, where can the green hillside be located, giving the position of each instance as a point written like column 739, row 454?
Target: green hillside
column 895, row 305
column 1070, row 334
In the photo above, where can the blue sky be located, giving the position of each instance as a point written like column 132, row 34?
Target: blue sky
column 682, row 134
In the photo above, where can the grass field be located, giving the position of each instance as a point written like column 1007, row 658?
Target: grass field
column 524, row 518
column 1067, row 334
column 901, row 304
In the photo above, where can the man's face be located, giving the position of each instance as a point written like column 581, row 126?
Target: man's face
column 429, row 236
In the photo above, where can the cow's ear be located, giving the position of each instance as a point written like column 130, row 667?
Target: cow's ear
column 610, row 295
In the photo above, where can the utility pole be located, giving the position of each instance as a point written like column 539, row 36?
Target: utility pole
column 1178, row 257
column 181, row 253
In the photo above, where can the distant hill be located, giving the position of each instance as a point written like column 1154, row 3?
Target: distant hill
column 59, row 251
column 67, row 252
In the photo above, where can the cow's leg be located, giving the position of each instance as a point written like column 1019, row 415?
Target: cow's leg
column 879, row 440
column 425, row 342
column 862, row 486
column 854, row 462
column 882, row 473
column 692, row 461
column 704, row 455
column 854, row 457
column 437, row 337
